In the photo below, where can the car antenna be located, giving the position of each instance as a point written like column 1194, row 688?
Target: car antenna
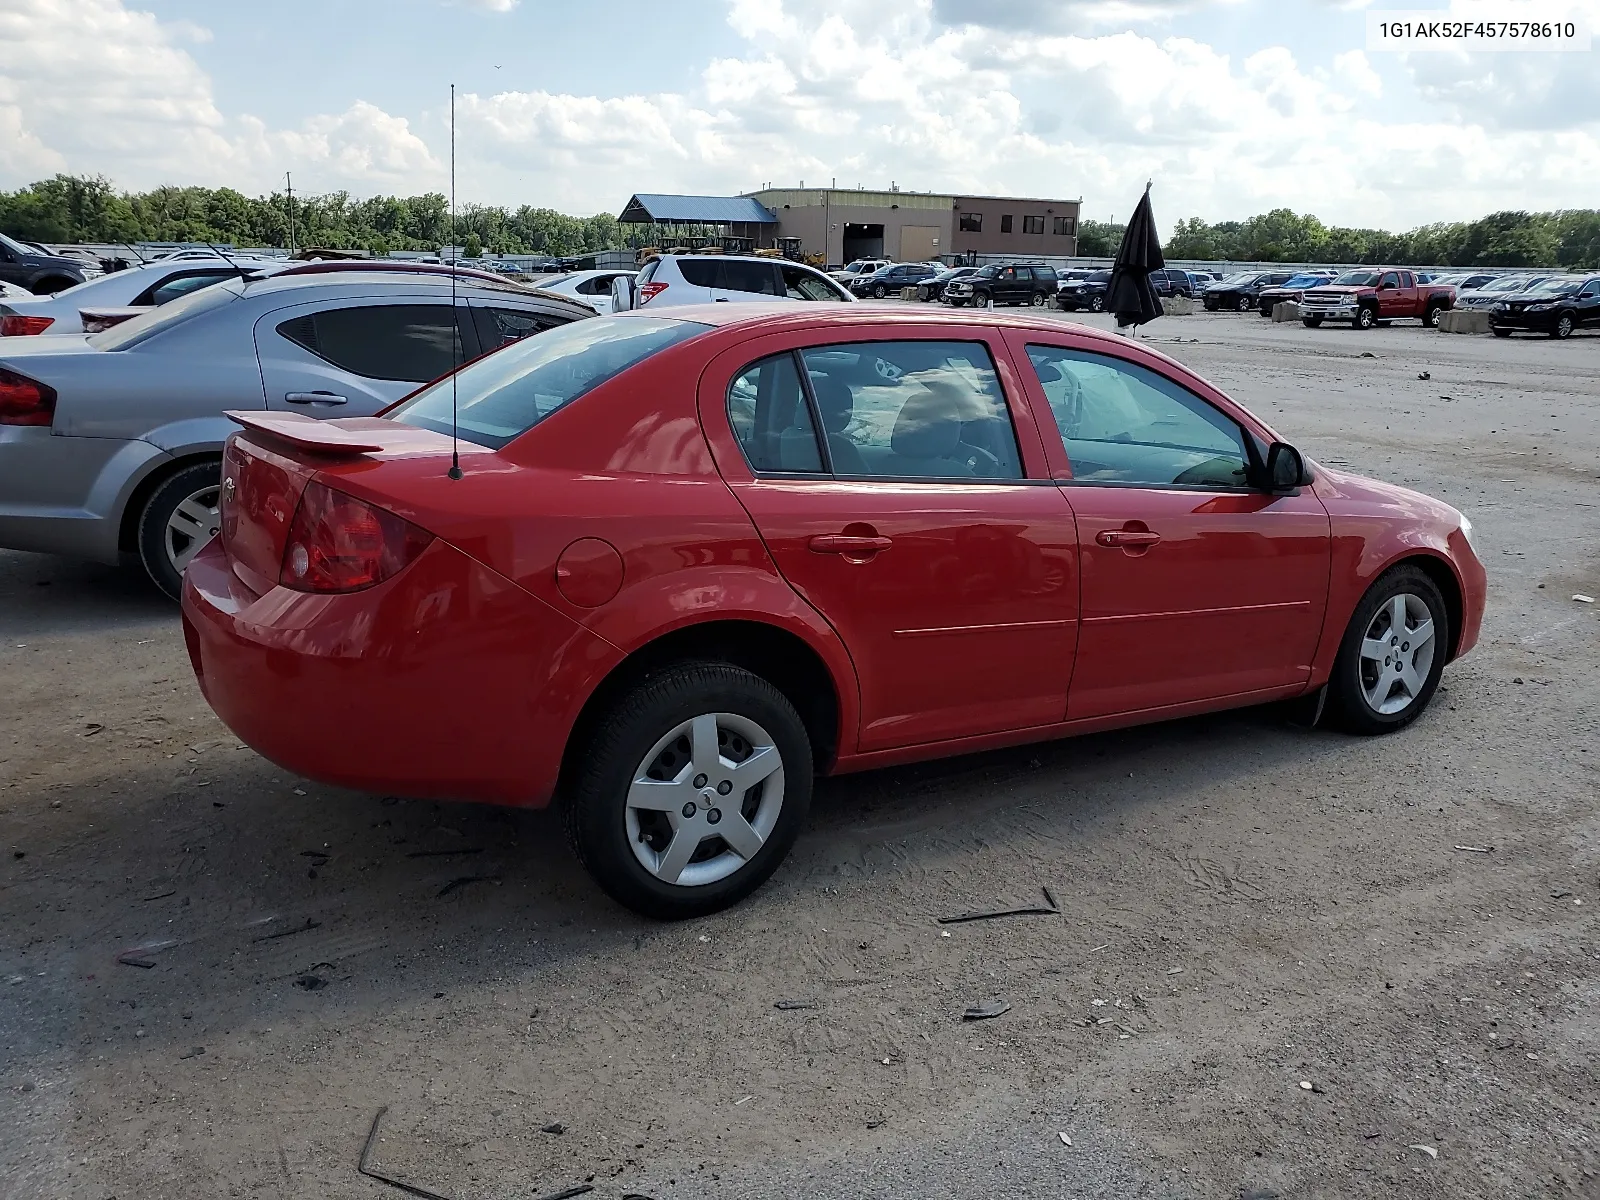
column 220, row 253
column 455, row 313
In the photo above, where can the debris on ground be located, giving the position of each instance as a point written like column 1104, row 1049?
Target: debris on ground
column 310, row 981
column 1257, row 1194
column 1428, row 1150
column 985, row 1012
column 1174, row 970
column 1582, row 599
column 1424, row 374
column 461, row 881
column 1477, row 849
column 195, row 1053
column 1049, row 908
column 555, row 1127
column 135, row 958
column 267, row 937
column 92, row 728
column 793, row 1005
column 1065, row 1140
column 364, row 1169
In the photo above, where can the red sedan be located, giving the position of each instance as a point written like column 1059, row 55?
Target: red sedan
column 690, row 561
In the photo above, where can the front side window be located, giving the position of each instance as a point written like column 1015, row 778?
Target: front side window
column 971, row 222
column 411, row 343
column 1032, row 224
column 1121, row 423
column 501, row 326
column 913, row 410
column 506, row 394
column 1389, row 280
column 803, row 285
column 182, row 285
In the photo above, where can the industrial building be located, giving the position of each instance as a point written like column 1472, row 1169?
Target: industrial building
column 839, row 225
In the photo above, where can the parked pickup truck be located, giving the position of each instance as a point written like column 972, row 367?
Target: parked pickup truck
column 1375, row 296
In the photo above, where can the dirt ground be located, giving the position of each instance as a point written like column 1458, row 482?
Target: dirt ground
column 212, row 974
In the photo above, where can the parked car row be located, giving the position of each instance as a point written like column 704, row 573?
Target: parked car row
column 1557, row 307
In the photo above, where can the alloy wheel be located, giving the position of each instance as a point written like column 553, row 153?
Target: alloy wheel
column 705, row 799
column 1564, row 326
column 1397, row 654
column 192, row 524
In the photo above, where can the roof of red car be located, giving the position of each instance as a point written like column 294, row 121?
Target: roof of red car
column 779, row 314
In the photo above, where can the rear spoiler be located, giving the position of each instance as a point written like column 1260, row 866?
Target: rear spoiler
column 307, row 433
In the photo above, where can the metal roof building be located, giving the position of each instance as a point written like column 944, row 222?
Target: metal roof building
column 650, row 209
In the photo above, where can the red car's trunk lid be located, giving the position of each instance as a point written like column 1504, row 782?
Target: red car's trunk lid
column 267, row 466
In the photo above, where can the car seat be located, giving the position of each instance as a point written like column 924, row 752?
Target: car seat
column 836, row 402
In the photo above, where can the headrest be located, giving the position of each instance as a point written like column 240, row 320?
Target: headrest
column 835, row 400
column 928, row 427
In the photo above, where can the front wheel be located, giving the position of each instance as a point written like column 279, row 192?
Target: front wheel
column 1563, row 326
column 690, row 791
column 879, row 292
column 1097, row 304
column 1392, row 654
column 1241, row 303
column 1366, row 318
column 179, row 518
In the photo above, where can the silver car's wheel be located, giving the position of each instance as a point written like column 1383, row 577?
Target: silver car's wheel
column 1397, row 654
column 705, row 799
column 192, row 524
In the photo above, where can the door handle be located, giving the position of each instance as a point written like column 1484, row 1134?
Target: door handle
column 315, row 398
column 848, row 544
column 1127, row 537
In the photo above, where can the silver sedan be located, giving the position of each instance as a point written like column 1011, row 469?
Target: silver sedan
column 110, row 444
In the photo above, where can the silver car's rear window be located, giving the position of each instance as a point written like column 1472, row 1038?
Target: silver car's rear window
column 132, row 332
column 507, row 393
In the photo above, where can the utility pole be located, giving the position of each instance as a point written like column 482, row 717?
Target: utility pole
column 289, row 183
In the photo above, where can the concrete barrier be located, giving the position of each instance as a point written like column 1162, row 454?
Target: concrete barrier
column 1285, row 310
column 909, row 293
column 1463, row 320
column 1177, row 306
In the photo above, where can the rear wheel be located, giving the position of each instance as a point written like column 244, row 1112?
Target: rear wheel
column 1392, row 654
column 1563, row 326
column 1430, row 315
column 178, row 519
column 1039, row 299
column 690, row 791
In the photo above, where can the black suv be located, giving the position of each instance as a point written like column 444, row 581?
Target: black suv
column 1013, row 283
column 41, row 274
column 1238, row 293
column 887, row 281
column 1088, row 292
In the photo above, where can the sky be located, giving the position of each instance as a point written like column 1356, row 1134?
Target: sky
column 1230, row 107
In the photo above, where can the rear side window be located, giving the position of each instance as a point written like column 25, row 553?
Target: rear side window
column 500, row 326
column 179, row 285
column 504, row 395
column 411, row 343
column 159, row 320
column 771, row 418
column 731, row 275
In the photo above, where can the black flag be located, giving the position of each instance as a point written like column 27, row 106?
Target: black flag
column 1129, row 294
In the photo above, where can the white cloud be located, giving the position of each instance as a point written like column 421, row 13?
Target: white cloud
column 494, row 6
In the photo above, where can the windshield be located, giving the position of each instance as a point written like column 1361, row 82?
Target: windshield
column 132, row 332
column 1240, row 277
column 1511, row 283
column 507, row 393
column 17, row 247
column 1357, row 279
column 1557, row 287
column 987, row 273
column 552, row 280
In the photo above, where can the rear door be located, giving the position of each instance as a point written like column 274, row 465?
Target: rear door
column 733, row 280
column 352, row 357
column 1195, row 587
column 904, row 494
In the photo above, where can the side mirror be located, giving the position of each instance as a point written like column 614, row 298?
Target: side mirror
column 621, row 293
column 1285, row 468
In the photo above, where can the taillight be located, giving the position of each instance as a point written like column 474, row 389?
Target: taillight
column 649, row 291
column 16, row 325
column 25, row 401
column 340, row 544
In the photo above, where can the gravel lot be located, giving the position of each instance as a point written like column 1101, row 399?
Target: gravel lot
column 1248, row 908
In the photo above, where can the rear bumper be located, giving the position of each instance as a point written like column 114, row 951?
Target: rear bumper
column 446, row 681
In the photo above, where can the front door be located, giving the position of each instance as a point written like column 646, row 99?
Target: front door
column 889, row 485
column 1394, row 296
column 1195, row 586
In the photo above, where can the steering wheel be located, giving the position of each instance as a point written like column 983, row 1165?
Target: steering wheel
column 886, row 369
column 1070, row 415
column 980, row 461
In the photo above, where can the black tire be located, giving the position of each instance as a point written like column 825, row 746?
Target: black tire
column 1097, row 304
column 594, row 807
column 1240, row 303
column 1311, row 322
column 1563, row 327
column 1502, row 333
column 194, row 481
column 1347, row 700
column 1039, row 299
column 1366, row 317
column 1430, row 315
column 879, row 292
